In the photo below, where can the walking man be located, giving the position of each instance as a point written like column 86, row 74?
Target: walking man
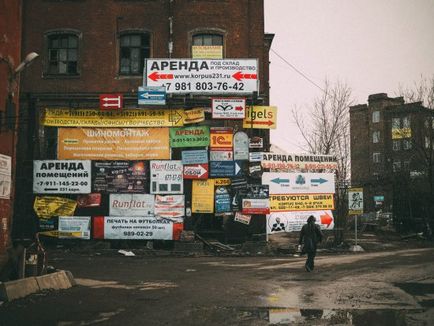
column 310, row 235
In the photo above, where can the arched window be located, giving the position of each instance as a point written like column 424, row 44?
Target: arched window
column 62, row 53
column 134, row 48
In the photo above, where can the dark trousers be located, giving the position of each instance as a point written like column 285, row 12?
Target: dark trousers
column 310, row 261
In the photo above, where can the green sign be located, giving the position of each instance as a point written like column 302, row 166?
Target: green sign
column 197, row 136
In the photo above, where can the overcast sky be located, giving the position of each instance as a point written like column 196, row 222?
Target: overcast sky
column 372, row 45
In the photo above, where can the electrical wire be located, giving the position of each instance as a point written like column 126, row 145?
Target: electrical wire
column 298, row 71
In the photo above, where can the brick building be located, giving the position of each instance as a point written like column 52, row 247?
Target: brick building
column 95, row 47
column 392, row 155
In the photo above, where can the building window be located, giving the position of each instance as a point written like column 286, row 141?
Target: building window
column 406, row 144
column 134, row 48
column 207, row 46
column 427, row 142
column 406, row 165
column 62, row 54
column 396, row 145
column 375, row 116
column 406, row 122
column 396, row 123
column 375, row 137
column 376, row 157
column 396, row 165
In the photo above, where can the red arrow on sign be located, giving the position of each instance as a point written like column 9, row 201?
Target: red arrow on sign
column 155, row 76
column 239, row 76
column 268, row 123
column 238, row 108
column 326, row 219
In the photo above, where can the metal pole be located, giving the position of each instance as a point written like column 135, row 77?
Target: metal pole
column 355, row 228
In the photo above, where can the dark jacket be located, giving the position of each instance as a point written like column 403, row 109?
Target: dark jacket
column 310, row 235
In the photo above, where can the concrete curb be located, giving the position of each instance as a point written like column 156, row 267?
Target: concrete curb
column 20, row 288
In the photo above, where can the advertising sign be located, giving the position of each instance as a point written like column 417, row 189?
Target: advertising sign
column 225, row 168
column 294, row 221
column 222, row 200
column 276, row 161
column 61, row 177
column 74, row 227
column 221, row 138
column 170, row 207
column 256, row 142
column 203, row 196
column 355, row 201
column 197, row 136
column 89, row 200
column 241, row 146
column 255, row 206
column 113, row 143
column 301, row 202
column 220, row 155
column 207, row 52
column 196, row 76
column 48, row 206
column 149, row 95
column 111, row 101
column 119, row 176
column 196, row 171
column 131, row 205
column 260, row 117
column 298, row 183
column 61, row 117
column 135, row 228
column 166, row 177
column 222, row 182
column 194, row 157
column 242, row 218
column 5, row 176
column 194, row 116
column 228, row 108
column 255, row 156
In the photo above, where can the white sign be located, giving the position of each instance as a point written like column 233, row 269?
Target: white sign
column 140, row 228
column 166, row 177
column 255, row 156
column 228, row 108
column 294, row 221
column 5, row 176
column 355, row 201
column 221, row 155
column 299, row 183
column 170, row 206
column 131, row 205
column 225, row 76
column 74, row 227
column 61, row 177
column 298, row 161
column 242, row 218
column 241, row 146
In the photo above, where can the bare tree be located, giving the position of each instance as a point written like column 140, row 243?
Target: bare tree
column 422, row 91
column 325, row 129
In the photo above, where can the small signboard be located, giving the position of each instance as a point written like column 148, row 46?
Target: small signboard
column 242, row 218
column 225, row 168
column 256, row 142
column 197, row 136
column 74, row 227
column 194, row 157
column 355, row 201
column 111, row 101
column 151, row 95
column 170, row 207
column 194, row 116
column 221, row 138
column 222, row 200
column 219, row 155
column 203, row 196
column 255, row 206
column 296, row 183
column 166, row 177
column 241, row 146
column 196, row 171
column 228, row 108
column 294, row 221
column 260, row 117
column 301, row 202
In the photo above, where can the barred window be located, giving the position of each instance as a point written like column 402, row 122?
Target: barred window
column 134, row 48
column 62, row 54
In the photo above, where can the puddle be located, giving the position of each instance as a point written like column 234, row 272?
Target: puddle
column 423, row 292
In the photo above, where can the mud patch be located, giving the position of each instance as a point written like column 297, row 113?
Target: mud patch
column 142, row 286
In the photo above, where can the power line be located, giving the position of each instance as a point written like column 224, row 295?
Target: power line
column 298, row 71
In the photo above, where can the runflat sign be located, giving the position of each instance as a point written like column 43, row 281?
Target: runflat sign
column 196, row 76
column 166, row 177
column 297, row 183
column 61, row 177
column 131, row 205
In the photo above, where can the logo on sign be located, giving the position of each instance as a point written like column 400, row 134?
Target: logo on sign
column 110, row 101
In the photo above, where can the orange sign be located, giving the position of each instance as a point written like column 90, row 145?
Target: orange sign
column 221, row 137
column 113, row 144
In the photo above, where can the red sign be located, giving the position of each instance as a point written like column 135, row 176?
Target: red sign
column 196, row 171
column 221, row 138
column 111, row 101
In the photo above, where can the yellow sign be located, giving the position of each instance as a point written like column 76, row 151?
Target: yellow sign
column 401, row 133
column 260, row 117
column 203, row 196
column 301, row 202
column 113, row 144
column 194, row 116
column 120, row 118
column 207, row 52
column 222, row 182
column 46, row 207
column 355, row 201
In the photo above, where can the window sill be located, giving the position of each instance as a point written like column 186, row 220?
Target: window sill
column 129, row 77
column 61, row 76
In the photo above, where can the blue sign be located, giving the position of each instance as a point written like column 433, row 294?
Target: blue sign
column 225, row 168
column 152, row 95
column 222, row 200
column 194, row 157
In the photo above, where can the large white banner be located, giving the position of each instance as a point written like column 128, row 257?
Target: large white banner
column 170, row 206
column 74, row 227
column 294, row 221
column 166, row 177
column 143, row 228
column 276, row 161
column 225, row 76
column 61, row 177
column 131, row 205
column 298, row 183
